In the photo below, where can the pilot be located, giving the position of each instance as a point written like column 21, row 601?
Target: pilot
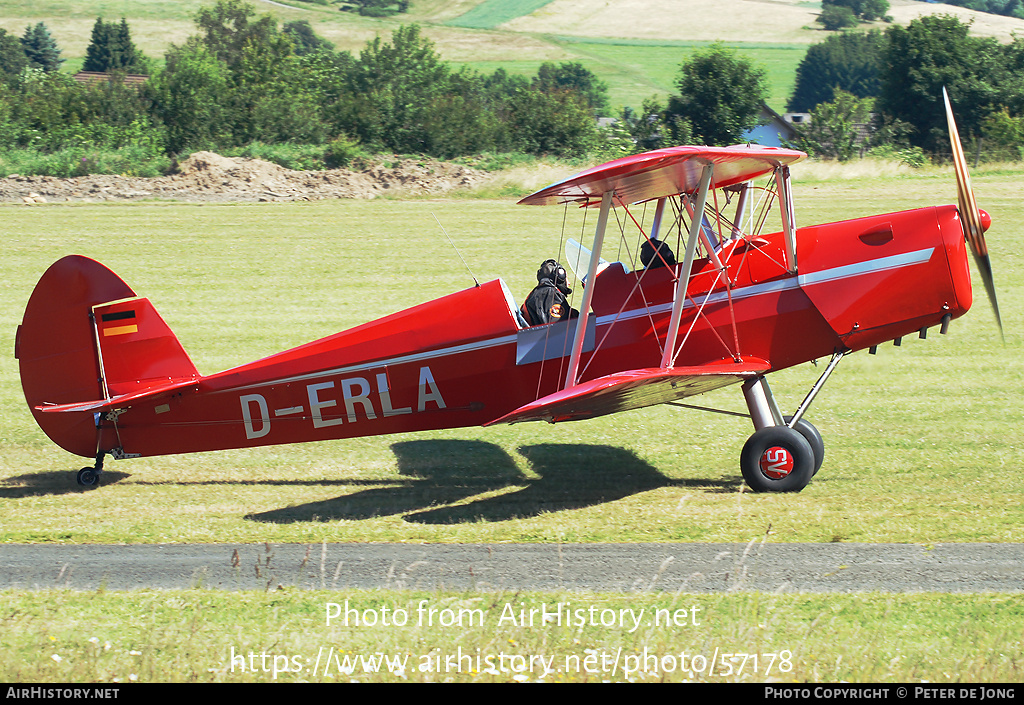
column 547, row 303
column 650, row 251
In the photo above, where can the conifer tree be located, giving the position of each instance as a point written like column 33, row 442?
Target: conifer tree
column 112, row 49
column 40, row 48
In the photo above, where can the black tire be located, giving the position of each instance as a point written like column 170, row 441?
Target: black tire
column 788, row 460
column 808, row 431
column 88, row 477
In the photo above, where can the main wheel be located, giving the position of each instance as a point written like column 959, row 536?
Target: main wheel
column 808, row 431
column 88, row 477
column 777, row 459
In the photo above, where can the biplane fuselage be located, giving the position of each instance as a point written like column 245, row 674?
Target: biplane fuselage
column 861, row 282
column 103, row 374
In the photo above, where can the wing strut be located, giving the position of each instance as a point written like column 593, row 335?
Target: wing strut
column 668, row 356
column 588, row 291
column 788, row 217
column 659, row 211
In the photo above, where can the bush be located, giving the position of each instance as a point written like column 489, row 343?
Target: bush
column 911, row 156
column 834, row 18
column 342, row 151
column 297, row 157
column 82, row 161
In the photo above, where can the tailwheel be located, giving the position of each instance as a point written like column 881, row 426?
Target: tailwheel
column 777, row 459
column 808, row 431
column 88, row 477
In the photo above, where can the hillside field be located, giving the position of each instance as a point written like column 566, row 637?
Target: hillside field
column 635, row 46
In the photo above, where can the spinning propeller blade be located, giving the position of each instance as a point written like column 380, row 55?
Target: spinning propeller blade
column 970, row 216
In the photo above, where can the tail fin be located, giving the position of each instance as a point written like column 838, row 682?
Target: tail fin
column 87, row 337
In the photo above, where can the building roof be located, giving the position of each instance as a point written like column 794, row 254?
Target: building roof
column 94, row 77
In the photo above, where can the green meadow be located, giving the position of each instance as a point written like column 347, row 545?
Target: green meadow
column 636, row 69
column 491, row 13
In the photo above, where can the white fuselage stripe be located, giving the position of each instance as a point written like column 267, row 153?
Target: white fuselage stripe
column 380, row 364
column 827, row 275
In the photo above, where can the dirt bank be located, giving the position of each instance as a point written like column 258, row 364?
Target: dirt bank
column 209, row 177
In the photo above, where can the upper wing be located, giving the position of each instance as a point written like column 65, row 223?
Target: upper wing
column 666, row 172
column 634, row 389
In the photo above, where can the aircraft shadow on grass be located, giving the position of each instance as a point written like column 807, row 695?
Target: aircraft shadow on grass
column 56, row 482
column 446, row 472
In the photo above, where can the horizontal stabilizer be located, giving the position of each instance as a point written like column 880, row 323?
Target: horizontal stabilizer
column 122, row 401
column 634, row 389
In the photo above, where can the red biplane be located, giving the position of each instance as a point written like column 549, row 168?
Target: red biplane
column 103, row 374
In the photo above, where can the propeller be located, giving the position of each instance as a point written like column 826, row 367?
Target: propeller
column 970, row 215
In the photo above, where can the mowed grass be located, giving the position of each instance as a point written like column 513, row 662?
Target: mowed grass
column 491, row 13
column 924, row 441
column 635, row 70
column 198, row 635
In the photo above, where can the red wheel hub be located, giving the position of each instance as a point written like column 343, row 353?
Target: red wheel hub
column 776, row 463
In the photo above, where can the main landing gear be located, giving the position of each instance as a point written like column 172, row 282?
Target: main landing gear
column 785, row 452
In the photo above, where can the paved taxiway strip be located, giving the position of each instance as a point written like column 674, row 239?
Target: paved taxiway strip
column 598, row 567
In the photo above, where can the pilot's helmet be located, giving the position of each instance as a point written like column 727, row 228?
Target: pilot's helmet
column 649, row 258
column 550, row 269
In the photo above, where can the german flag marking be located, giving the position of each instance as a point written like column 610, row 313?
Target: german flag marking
column 117, row 316
column 120, row 330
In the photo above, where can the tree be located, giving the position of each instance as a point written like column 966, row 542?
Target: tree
column 111, row 49
column 558, row 123
column 572, row 76
column 375, row 8
column 931, row 53
column 226, row 27
column 12, row 57
column 40, row 48
column 863, row 10
column 720, row 96
column 1002, row 136
column 393, row 87
column 834, row 18
column 304, row 39
column 646, row 127
column 188, row 98
column 849, row 61
column 833, row 132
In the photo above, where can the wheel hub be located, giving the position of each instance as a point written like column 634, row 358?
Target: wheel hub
column 776, row 463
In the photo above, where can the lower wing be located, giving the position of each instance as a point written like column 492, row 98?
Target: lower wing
column 634, row 389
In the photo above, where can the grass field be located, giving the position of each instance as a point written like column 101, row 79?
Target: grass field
column 933, row 427
column 491, row 13
column 210, row 636
column 635, row 70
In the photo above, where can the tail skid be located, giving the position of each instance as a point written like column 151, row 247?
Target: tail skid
column 88, row 346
